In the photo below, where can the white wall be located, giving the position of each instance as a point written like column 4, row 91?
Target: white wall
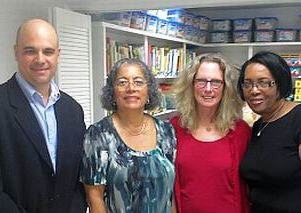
column 12, row 14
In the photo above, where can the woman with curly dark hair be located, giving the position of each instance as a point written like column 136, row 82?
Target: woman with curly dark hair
column 129, row 155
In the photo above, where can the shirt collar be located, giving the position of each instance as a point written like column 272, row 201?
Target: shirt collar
column 30, row 91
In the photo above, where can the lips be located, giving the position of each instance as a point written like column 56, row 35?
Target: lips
column 208, row 97
column 256, row 101
column 39, row 69
column 131, row 98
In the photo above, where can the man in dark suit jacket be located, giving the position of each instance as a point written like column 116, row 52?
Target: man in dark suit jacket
column 41, row 131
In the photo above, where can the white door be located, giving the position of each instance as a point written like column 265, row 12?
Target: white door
column 74, row 74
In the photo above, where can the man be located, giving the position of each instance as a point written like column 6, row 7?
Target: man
column 41, row 131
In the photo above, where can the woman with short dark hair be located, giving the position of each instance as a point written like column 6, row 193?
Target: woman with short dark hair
column 272, row 166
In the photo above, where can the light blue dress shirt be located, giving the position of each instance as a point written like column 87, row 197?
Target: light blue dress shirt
column 44, row 113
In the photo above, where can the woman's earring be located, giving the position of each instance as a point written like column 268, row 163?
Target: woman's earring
column 147, row 102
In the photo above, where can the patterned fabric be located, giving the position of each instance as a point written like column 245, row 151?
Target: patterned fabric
column 136, row 181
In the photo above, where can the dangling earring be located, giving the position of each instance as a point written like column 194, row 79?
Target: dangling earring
column 147, row 102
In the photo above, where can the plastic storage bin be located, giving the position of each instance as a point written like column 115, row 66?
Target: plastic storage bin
column 204, row 22
column 151, row 23
column 172, row 28
column 221, row 24
column 195, row 34
column 201, row 36
column 122, row 18
column 241, row 36
column 242, row 24
column 220, row 36
column 138, row 20
column 176, row 15
column 180, row 31
column 283, row 34
column 264, row 35
column 266, row 23
column 189, row 18
column 162, row 26
column 189, row 32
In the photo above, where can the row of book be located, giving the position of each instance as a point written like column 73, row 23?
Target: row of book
column 165, row 62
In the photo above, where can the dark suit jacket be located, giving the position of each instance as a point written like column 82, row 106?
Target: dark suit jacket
column 27, row 180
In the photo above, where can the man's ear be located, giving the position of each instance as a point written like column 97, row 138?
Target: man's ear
column 15, row 50
column 59, row 55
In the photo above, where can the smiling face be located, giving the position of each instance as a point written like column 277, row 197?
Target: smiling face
column 37, row 53
column 261, row 100
column 208, row 97
column 130, row 88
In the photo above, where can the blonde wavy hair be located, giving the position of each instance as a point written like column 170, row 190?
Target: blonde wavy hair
column 230, row 108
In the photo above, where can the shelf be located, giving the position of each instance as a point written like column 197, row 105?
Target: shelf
column 148, row 34
column 252, row 44
column 209, row 45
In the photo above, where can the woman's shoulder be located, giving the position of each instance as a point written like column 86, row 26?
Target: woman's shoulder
column 241, row 124
column 164, row 126
column 103, row 125
column 161, row 122
column 166, row 132
column 174, row 120
column 242, row 129
column 296, row 110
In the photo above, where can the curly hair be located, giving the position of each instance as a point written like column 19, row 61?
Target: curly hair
column 108, row 96
column 230, row 107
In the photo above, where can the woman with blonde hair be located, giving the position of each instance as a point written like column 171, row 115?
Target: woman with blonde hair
column 212, row 138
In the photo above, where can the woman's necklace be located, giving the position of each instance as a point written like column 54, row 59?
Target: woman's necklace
column 261, row 129
column 273, row 117
column 142, row 128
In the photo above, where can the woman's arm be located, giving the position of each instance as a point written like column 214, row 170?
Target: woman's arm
column 95, row 195
column 300, row 151
column 173, row 205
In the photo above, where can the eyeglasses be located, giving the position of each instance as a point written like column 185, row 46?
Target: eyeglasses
column 261, row 84
column 123, row 83
column 214, row 83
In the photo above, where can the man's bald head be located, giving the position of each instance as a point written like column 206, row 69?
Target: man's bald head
column 35, row 25
column 37, row 53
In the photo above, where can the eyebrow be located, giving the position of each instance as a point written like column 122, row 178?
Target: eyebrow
column 28, row 48
column 137, row 77
column 33, row 48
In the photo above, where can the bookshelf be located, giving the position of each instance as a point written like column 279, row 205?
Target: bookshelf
column 151, row 44
column 164, row 54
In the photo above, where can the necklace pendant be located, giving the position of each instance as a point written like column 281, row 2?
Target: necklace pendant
column 259, row 133
column 208, row 129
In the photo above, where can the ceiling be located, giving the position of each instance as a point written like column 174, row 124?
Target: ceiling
column 122, row 5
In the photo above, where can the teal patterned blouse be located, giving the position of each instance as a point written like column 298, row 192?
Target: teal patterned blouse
column 136, row 181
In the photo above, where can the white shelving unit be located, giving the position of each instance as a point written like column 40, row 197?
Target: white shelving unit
column 102, row 30
column 236, row 53
column 240, row 52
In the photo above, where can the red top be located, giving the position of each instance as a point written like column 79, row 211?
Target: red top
column 207, row 177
